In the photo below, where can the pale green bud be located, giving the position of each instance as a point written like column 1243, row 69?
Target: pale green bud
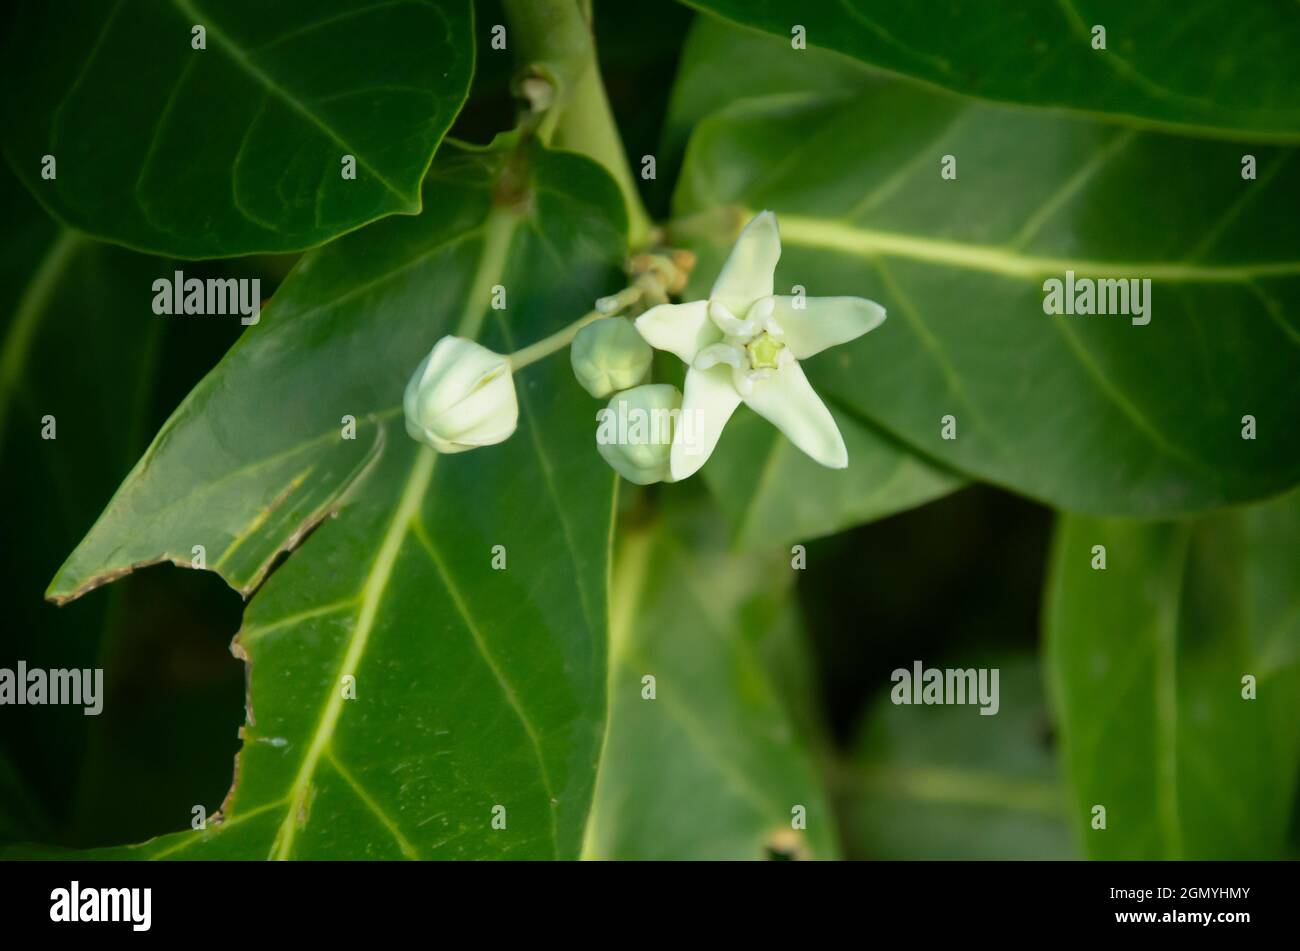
column 609, row 355
column 635, row 434
column 460, row 397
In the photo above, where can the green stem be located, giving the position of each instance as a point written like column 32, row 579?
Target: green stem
column 556, row 34
column 562, row 338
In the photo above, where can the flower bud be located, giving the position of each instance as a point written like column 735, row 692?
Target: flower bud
column 460, row 397
column 609, row 355
column 635, row 434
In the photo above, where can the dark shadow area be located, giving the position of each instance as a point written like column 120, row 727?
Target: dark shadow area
column 173, row 702
column 640, row 44
column 966, row 570
column 491, row 107
column 110, row 371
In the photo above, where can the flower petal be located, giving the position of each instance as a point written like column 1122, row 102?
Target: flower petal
column 824, row 322
column 722, row 352
column 747, row 275
column 682, row 329
column 787, row 400
column 707, row 404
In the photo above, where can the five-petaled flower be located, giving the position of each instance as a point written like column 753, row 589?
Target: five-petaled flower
column 744, row 344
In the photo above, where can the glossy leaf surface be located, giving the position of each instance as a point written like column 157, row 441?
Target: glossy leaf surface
column 242, row 145
column 1148, row 661
column 1093, row 413
column 711, row 757
column 432, row 659
column 1242, row 79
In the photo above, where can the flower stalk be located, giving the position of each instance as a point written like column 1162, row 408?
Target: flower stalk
column 555, row 37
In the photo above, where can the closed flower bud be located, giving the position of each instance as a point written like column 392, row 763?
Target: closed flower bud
column 609, row 355
column 635, row 435
column 460, row 397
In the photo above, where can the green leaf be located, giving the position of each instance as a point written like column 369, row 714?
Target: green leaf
column 238, row 147
column 714, row 764
column 1147, row 661
column 720, row 64
column 1243, row 80
column 945, row 782
column 1092, row 413
column 772, row 494
column 474, row 687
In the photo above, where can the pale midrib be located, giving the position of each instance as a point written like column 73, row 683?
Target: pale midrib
column 961, row 787
column 372, row 593
column 499, row 233
column 832, row 235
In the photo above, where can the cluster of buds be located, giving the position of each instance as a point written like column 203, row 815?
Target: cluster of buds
column 742, row 344
column 462, row 395
column 611, row 359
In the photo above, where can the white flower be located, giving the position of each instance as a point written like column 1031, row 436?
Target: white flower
column 744, row 344
column 460, row 397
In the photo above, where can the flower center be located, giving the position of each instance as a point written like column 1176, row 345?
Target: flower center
column 763, row 351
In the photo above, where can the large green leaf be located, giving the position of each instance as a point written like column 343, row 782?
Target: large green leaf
column 713, row 766
column 720, row 63
column 1087, row 413
column 474, row 687
column 1213, row 66
column 945, row 782
column 1147, row 662
column 773, row 494
column 237, row 147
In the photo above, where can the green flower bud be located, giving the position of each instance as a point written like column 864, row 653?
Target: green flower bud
column 635, row 435
column 460, row 397
column 609, row 355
